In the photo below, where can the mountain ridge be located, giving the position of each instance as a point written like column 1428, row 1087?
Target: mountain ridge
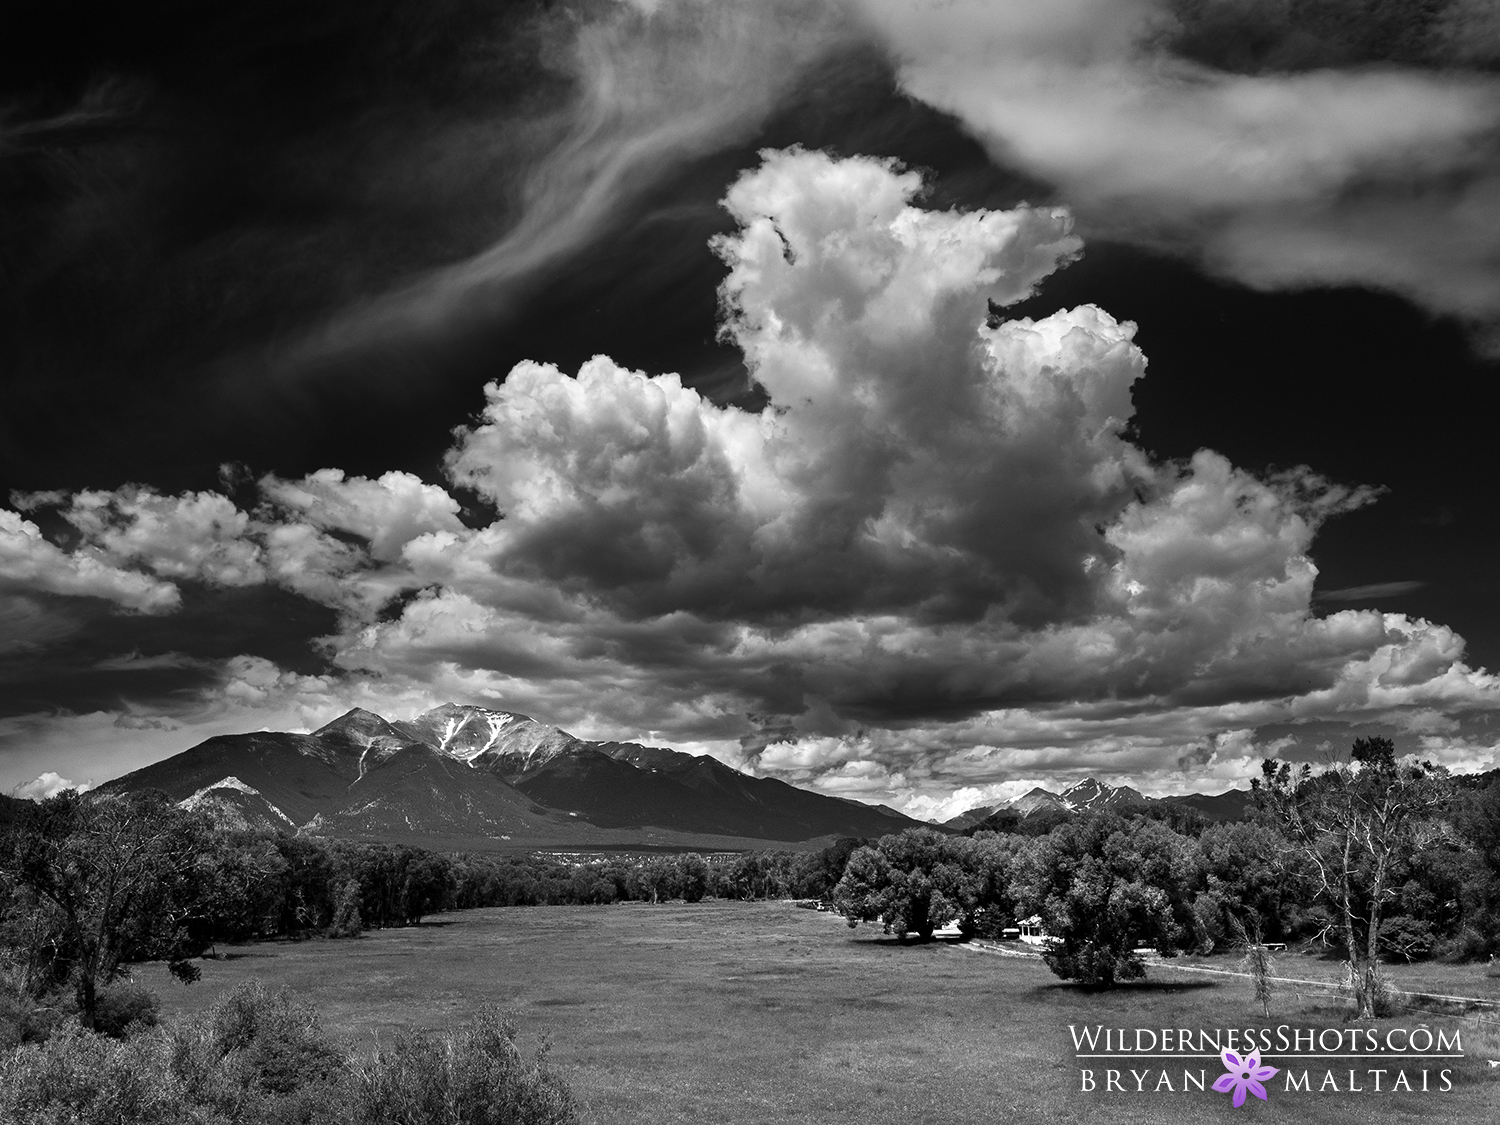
column 1091, row 794
column 459, row 772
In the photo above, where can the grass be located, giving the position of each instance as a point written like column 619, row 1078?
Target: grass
column 1314, row 963
column 747, row 1013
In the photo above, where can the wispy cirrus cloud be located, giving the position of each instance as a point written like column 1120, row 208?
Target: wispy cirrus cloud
column 1370, row 592
column 652, row 87
column 1299, row 170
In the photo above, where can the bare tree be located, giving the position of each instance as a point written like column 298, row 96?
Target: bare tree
column 1354, row 822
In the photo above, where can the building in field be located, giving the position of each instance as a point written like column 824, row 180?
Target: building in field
column 1032, row 932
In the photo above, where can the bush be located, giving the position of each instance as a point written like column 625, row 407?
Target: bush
column 269, row 1041
column 78, row 1078
column 1407, row 937
column 259, row 1058
column 24, row 1020
column 124, row 1007
column 473, row 1076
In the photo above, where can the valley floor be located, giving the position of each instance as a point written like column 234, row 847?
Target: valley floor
column 729, row 1013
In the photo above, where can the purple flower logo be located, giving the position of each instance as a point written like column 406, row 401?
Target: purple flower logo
column 1244, row 1074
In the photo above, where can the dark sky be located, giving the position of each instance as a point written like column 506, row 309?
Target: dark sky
column 273, row 239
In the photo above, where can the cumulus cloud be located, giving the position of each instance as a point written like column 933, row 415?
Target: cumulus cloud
column 1378, row 175
column 324, row 536
column 387, row 513
column 935, row 552
column 48, row 785
column 935, row 564
column 29, row 562
column 196, row 535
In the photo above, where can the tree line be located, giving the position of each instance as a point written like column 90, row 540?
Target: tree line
column 1378, row 856
column 90, row 883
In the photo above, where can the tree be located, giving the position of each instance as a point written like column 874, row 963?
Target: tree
column 912, row 882
column 114, row 874
column 1245, row 872
column 1104, row 887
column 657, row 878
column 692, row 876
column 1355, row 824
column 994, row 857
column 1477, row 821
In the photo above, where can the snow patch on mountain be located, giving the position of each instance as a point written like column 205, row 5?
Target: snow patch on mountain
column 219, row 792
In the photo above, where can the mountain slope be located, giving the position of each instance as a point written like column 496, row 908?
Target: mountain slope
column 761, row 806
column 1093, row 795
column 503, row 742
column 300, row 775
column 418, row 790
column 1232, row 804
column 969, row 817
column 473, row 774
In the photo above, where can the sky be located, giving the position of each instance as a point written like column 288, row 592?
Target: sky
column 916, row 400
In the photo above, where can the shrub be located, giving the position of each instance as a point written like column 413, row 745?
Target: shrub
column 475, row 1075
column 259, row 1058
column 123, row 1007
column 1407, row 937
column 269, row 1041
column 24, row 1020
column 79, row 1078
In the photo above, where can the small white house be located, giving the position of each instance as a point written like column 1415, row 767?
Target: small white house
column 1032, row 932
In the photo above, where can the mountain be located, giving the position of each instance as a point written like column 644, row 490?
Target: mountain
column 1232, row 804
column 471, row 776
column 1091, row 794
column 1037, row 800
column 297, row 775
column 759, row 806
column 502, row 741
column 969, row 817
column 416, row 790
column 234, row 805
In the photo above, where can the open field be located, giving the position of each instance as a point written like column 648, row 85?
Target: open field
column 1311, row 969
column 1430, row 977
column 727, row 1013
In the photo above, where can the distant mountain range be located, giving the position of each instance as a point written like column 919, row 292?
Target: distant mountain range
column 469, row 777
column 1091, row 794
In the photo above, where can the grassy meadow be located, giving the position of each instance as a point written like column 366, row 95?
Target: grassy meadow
column 735, row 1013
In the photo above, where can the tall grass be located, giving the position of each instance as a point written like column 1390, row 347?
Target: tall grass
column 260, row 1058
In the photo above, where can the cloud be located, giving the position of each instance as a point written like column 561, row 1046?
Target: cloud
column 936, row 529
column 48, row 785
column 323, row 536
column 934, row 563
column 198, row 535
column 1379, row 175
column 31, row 563
column 388, row 513
column 654, row 85
column 1370, row 592
column 135, row 662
